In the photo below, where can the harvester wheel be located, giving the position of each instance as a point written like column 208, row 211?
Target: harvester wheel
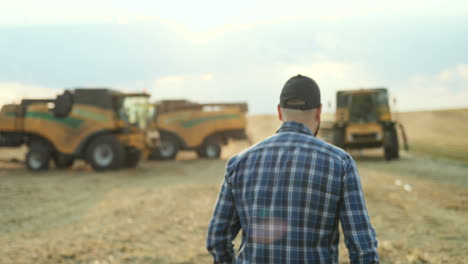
column 339, row 137
column 105, row 153
column 132, row 158
column 38, row 156
column 210, row 149
column 391, row 147
column 168, row 148
column 63, row 161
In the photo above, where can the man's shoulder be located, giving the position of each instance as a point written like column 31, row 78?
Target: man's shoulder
column 323, row 148
column 332, row 150
column 233, row 161
column 307, row 143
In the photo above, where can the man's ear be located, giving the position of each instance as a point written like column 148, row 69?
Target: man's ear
column 280, row 114
column 318, row 113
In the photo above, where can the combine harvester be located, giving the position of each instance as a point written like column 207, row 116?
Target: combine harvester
column 105, row 128
column 363, row 120
column 204, row 128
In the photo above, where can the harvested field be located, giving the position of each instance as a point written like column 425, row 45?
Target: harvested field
column 440, row 134
column 159, row 212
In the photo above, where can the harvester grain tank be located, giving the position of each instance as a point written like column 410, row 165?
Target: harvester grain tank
column 204, row 128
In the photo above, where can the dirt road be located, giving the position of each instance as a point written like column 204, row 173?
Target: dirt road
column 159, row 212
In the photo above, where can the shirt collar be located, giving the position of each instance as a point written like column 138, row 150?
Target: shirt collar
column 291, row 126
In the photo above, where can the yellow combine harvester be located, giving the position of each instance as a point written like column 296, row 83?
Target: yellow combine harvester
column 185, row 125
column 363, row 120
column 105, row 128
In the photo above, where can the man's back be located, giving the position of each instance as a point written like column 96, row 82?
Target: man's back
column 288, row 194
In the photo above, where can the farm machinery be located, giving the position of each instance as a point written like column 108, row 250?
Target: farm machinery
column 106, row 128
column 204, row 128
column 363, row 120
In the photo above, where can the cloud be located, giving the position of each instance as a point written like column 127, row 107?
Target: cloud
column 207, row 77
column 176, row 80
column 188, row 86
column 195, row 35
column 458, row 72
column 244, row 61
column 446, row 89
column 13, row 92
column 173, row 80
column 328, row 69
column 261, row 86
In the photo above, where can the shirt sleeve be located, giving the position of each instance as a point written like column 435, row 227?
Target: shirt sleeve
column 224, row 227
column 360, row 238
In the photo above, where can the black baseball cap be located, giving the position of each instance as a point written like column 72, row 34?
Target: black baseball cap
column 300, row 93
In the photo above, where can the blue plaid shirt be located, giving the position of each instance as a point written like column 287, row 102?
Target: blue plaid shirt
column 287, row 194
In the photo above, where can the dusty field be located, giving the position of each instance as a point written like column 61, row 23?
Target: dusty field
column 440, row 134
column 159, row 212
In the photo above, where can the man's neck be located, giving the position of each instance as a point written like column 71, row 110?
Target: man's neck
column 311, row 125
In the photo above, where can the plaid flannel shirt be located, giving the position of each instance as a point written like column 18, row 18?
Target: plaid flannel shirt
column 287, row 194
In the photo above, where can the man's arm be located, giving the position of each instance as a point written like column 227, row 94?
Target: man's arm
column 224, row 227
column 359, row 234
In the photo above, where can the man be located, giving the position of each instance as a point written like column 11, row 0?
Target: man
column 288, row 193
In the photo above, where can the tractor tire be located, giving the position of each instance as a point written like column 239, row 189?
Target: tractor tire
column 105, row 153
column 391, row 146
column 168, row 148
column 38, row 156
column 132, row 158
column 339, row 137
column 63, row 161
column 211, row 149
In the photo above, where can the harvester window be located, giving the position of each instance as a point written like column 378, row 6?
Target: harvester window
column 153, row 112
column 342, row 100
column 118, row 109
column 134, row 110
column 363, row 108
column 381, row 98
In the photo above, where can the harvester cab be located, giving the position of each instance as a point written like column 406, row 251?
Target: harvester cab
column 364, row 120
column 105, row 128
column 136, row 113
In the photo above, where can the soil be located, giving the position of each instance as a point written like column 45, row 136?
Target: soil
column 159, row 212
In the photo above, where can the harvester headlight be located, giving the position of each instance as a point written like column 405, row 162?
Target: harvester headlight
column 350, row 138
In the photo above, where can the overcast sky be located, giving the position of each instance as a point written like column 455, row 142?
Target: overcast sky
column 237, row 51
